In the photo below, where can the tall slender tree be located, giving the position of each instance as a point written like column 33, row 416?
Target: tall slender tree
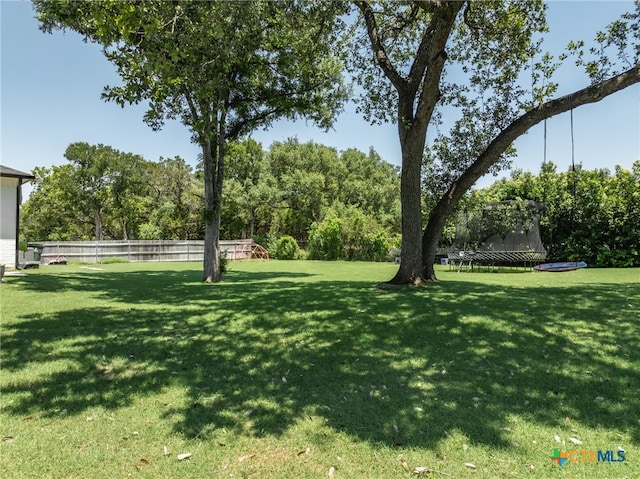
column 50, row 212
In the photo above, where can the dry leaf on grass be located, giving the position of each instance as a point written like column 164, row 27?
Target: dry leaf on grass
column 575, row 440
column 470, row 465
column 184, row 456
column 422, row 471
column 332, row 472
column 142, row 461
column 245, row 457
column 402, row 462
column 304, row 451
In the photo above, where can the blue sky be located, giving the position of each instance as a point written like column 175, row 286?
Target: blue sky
column 51, row 86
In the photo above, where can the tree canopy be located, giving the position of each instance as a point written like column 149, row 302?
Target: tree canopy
column 587, row 215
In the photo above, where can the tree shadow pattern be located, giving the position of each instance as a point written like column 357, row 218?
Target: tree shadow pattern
column 261, row 350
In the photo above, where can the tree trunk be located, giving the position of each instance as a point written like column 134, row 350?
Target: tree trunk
column 418, row 94
column 212, row 211
column 410, row 271
column 431, row 237
column 125, row 233
column 252, row 224
column 213, row 156
column 97, row 219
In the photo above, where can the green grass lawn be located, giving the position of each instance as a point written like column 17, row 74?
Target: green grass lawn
column 309, row 370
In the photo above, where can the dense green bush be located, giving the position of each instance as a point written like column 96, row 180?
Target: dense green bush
column 347, row 233
column 325, row 239
column 375, row 247
column 224, row 261
column 287, row 248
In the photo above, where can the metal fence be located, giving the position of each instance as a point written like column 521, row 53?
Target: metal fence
column 135, row 250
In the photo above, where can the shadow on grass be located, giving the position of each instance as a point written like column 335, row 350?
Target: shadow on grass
column 262, row 350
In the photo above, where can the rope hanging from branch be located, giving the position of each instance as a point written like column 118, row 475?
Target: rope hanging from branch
column 575, row 180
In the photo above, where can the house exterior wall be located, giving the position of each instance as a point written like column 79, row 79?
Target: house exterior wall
column 8, row 210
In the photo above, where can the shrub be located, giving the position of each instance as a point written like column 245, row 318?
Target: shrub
column 325, row 239
column 287, row 248
column 224, row 261
column 113, row 260
column 616, row 258
column 375, row 246
column 347, row 233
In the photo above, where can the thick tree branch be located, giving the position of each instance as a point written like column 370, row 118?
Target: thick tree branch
column 491, row 155
column 433, row 59
column 377, row 45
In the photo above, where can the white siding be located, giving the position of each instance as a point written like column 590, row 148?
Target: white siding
column 8, row 206
column 8, row 253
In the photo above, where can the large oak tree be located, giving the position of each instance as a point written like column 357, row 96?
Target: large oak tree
column 467, row 57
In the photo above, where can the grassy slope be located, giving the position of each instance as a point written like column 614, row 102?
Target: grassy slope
column 289, row 369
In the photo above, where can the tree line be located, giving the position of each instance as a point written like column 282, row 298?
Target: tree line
column 291, row 190
column 308, row 200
